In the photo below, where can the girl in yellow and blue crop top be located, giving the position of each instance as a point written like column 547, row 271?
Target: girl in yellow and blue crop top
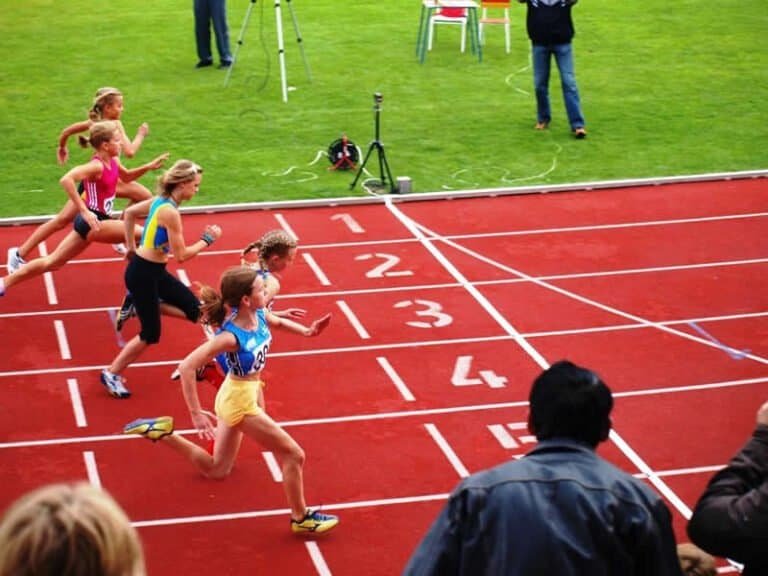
column 146, row 278
column 244, row 339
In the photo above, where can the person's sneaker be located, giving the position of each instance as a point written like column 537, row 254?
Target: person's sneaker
column 114, row 384
column 579, row 133
column 127, row 310
column 15, row 261
column 314, row 522
column 541, row 125
column 120, row 248
column 204, row 64
column 224, row 65
column 152, row 428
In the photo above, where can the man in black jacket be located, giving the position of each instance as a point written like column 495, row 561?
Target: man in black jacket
column 731, row 517
column 550, row 29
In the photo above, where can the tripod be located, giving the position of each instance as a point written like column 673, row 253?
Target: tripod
column 384, row 171
column 280, row 46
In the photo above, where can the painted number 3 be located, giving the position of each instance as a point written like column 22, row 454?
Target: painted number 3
column 429, row 310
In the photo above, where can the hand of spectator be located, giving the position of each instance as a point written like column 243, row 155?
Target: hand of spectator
column 762, row 415
column 694, row 561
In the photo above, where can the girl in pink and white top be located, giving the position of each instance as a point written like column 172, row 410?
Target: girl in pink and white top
column 93, row 222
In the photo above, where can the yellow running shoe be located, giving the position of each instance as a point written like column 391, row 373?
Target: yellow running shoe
column 314, row 522
column 152, row 428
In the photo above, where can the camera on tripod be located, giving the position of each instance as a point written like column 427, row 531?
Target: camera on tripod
column 385, row 180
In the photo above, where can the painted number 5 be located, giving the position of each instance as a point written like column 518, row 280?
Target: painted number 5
column 430, row 310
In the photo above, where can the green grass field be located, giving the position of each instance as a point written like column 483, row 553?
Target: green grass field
column 667, row 89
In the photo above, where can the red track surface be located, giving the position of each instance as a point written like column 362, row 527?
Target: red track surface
column 610, row 279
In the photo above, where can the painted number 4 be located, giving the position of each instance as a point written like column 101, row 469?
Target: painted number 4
column 463, row 368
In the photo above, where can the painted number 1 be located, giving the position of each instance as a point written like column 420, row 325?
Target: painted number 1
column 463, row 368
column 350, row 222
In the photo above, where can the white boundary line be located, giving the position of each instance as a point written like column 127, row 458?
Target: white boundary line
column 542, row 188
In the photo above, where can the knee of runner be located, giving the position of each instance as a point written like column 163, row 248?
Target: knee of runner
column 150, row 336
column 295, row 456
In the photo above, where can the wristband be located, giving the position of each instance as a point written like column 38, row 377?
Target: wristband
column 208, row 238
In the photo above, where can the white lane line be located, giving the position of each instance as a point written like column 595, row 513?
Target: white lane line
column 317, row 559
column 321, row 277
column 461, row 470
column 356, row 324
column 284, row 511
column 77, row 403
column 274, row 467
column 395, row 377
column 181, row 273
column 91, row 468
column 653, row 478
column 285, row 226
column 61, row 336
column 484, row 303
column 50, row 288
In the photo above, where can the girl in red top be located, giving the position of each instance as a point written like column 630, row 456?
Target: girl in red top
column 107, row 105
column 93, row 222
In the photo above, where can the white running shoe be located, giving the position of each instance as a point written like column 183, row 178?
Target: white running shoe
column 114, row 384
column 120, row 249
column 14, row 260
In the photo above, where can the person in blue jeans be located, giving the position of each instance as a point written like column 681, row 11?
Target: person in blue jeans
column 551, row 31
column 207, row 11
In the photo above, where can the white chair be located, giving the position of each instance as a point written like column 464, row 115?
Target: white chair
column 501, row 19
column 456, row 16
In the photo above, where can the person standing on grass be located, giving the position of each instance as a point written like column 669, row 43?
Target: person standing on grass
column 561, row 509
column 93, row 222
column 731, row 517
column 209, row 12
column 69, row 530
column 240, row 310
column 146, row 278
column 107, row 105
column 550, row 29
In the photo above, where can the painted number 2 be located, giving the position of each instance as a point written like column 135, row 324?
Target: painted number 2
column 385, row 268
column 461, row 375
column 429, row 310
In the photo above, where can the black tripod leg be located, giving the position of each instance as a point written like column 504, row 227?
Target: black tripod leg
column 384, row 165
column 362, row 166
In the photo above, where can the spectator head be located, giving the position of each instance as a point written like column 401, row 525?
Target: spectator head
column 568, row 401
column 68, row 530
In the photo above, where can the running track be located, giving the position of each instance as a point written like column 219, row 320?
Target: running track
column 444, row 311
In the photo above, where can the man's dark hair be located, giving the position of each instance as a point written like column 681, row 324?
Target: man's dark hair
column 568, row 401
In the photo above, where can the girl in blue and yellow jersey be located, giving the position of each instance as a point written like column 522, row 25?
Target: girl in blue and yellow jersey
column 146, row 277
column 93, row 221
column 243, row 340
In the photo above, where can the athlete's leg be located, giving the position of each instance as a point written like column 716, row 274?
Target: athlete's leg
column 62, row 219
column 133, row 191
column 68, row 248
column 266, row 432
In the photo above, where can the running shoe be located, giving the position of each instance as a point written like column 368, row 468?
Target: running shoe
column 15, row 261
column 120, row 248
column 114, row 384
column 152, row 428
column 314, row 522
column 127, row 310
